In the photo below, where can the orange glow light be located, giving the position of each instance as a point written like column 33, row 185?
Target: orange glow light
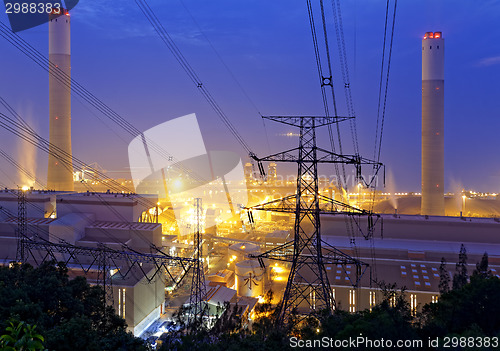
column 428, row 35
column 433, row 35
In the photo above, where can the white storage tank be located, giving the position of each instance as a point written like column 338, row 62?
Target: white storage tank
column 250, row 278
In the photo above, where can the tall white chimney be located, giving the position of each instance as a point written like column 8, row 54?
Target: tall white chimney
column 433, row 124
column 60, row 170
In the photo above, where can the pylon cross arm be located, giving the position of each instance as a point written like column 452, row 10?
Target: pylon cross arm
column 299, row 121
column 326, row 206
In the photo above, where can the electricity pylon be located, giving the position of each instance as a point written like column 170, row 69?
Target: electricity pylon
column 308, row 289
column 198, row 290
column 21, row 224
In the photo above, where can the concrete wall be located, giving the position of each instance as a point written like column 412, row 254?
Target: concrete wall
column 143, row 302
column 40, row 204
column 70, row 227
column 418, row 228
column 106, row 207
column 362, row 297
column 120, row 211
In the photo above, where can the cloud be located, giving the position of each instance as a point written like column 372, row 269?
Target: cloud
column 489, row 61
column 117, row 20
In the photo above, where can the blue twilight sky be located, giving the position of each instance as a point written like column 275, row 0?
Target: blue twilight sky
column 268, row 49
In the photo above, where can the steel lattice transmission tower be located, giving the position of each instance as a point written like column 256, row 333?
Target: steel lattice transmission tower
column 123, row 261
column 308, row 289
column 198, row 290
column 22, row 226
column 103, row 274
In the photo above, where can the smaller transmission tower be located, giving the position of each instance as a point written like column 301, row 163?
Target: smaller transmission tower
column 104, row 278
column 198, row 290
column 21, row 224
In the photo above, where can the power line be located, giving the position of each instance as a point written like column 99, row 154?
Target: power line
column 244, row 92
column 219, row 57
column 378, row 136
column 387, row 79
column 193, row 76
column 381, row 119
column 21, row 129
column 339, row 30
column 325, row 81
column 26, row 131
column 382, row 66
column 381, row 114
column 86, row 95
column 21, row 169
column 33, row 138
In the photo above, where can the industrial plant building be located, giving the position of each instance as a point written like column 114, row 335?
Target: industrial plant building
column 408, row 252
column 89, row 220
column 405, row 250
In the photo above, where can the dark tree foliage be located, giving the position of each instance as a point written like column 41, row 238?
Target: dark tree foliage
column 70, row 314
column 444, row 277
column 21, row 336
column 461, row 276
column 230, row 321
column 391, row 319
column 471, row 309
column 482, row 270
column 474, row 309
column 228, row 332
